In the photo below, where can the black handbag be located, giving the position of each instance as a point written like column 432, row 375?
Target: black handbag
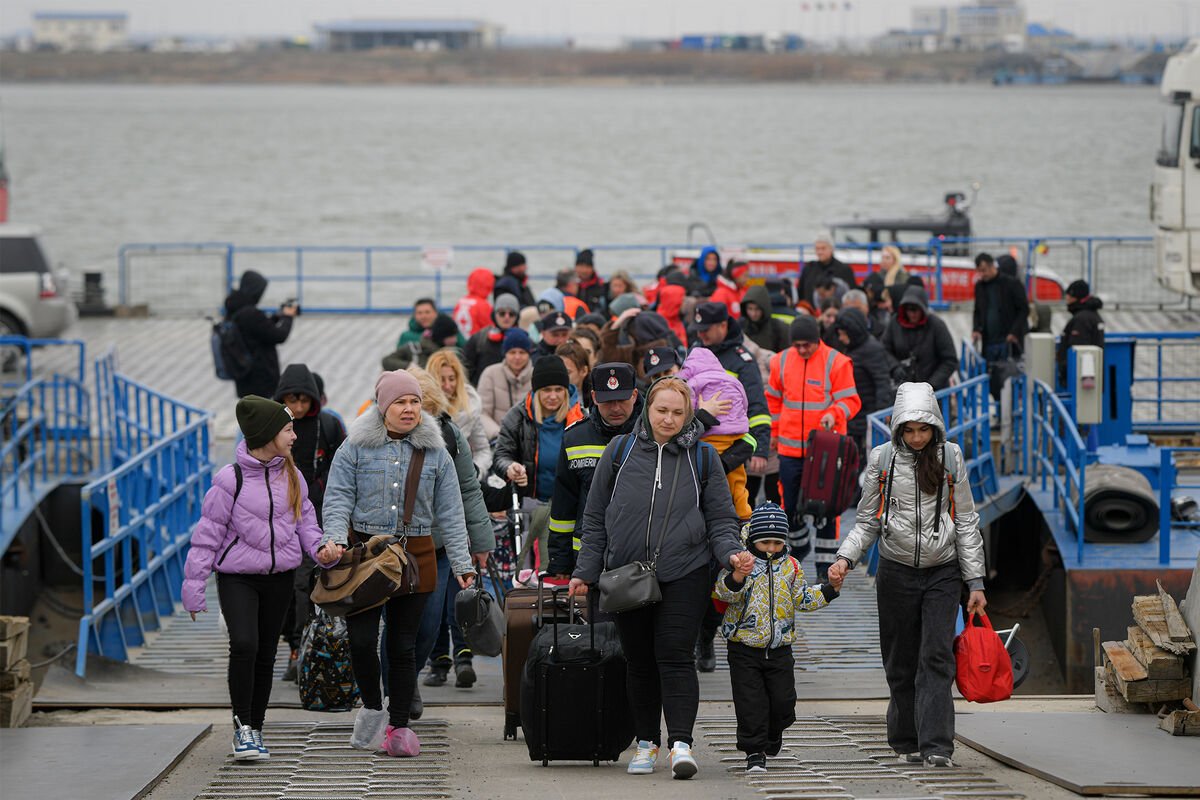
column 635, row 585
column 481, row 617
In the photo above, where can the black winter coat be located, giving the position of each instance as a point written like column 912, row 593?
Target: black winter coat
column 1012, row 308
column 260, row 332
column 814, row 271
column 1086, row 327
column 768, row 333
column 929, row 344
column 872, row 370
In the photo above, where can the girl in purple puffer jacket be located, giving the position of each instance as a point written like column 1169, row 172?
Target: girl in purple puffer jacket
column 731, row 435
column 255, row 520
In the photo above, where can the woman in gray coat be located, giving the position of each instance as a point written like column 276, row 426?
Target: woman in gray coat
column 661, row 486
column 917, row 504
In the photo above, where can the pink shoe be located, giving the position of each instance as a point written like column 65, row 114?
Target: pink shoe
column 401, row 742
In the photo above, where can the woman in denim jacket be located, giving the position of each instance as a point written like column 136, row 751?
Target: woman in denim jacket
column 365, row 495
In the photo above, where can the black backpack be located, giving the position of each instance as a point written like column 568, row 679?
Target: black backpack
column 231, row 357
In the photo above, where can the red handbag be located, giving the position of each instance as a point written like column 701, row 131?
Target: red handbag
column 984, row 667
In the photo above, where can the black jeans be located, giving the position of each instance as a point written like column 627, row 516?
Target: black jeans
column 658, row 641
column 301, row 609
column 917, row 608
column 768, row 483
column 791, row 470
column 764, row 695
column 254, row 607
column 400, row 644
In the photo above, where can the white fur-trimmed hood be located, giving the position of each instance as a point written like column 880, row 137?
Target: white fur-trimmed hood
column 368, row 430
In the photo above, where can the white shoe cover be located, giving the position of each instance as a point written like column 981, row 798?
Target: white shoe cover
column 369, row 727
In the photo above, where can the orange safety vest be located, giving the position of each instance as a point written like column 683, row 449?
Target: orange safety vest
column 800, row 391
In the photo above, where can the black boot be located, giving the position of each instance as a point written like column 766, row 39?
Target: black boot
column 464, row 670
column 706, row 656
column 438, row 670
column 417, row 707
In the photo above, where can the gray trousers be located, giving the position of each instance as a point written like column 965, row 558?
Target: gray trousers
column 917, row 609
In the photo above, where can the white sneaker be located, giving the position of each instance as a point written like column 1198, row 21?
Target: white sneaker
column 369, row 727
column 683, row 766
column 644, row 759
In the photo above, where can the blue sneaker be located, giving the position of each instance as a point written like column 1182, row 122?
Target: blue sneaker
column 244, row 748
column 258, row 742
column 644, row 759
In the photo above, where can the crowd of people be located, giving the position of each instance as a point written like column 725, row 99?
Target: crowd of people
column 668, row 422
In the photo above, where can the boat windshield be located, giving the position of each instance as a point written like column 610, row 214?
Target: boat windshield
column 1172, row 131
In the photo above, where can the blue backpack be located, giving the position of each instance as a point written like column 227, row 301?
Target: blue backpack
column 625, row 446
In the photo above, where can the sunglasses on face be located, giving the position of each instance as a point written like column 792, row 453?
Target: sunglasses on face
column 506, row 314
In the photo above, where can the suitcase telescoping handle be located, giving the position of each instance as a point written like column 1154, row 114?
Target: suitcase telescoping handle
column 493, row 576
column 555, row 591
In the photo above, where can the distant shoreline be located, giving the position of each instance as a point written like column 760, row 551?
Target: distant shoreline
column 492, row 67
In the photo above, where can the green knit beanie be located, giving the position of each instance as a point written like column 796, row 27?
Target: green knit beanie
column 261, row 419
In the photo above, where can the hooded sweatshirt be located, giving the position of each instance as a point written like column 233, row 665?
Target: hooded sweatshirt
column 318, row 434
column 1086, row 327
column 703, row 372
column 704, row 282
column 872, row 372
column 905, row 529
column 473, row 312
column 927, row 342
column 768, row 333
column 260, row 332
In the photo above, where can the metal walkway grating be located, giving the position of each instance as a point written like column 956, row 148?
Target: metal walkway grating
column 844, row 635
column 314, row 761
column 843, row 758
column 198, row 649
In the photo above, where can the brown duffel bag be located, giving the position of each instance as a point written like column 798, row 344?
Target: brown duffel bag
column 372, row 572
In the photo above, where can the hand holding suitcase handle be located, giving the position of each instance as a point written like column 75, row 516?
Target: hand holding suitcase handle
column 828, row 420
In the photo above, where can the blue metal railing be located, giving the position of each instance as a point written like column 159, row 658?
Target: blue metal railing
column 1170, row 400
column 1057, row 456
column 45, row 427
column 136, row 520
column 361, row 273
column 1169, row 484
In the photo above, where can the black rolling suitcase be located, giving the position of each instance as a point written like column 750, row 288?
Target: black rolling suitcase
column 573, row 701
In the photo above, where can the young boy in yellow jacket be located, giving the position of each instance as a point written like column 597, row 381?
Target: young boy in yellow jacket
column 759, row 626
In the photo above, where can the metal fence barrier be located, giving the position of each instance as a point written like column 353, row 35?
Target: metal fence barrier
column 1057, row 456
column 1169, row 484
column 386, row 279
column 136, row 520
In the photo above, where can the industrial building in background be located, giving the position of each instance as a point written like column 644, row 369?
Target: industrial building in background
column 407, row 34
column 94, row 32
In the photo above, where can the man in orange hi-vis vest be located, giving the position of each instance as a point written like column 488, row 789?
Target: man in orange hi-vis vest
column 811, row 386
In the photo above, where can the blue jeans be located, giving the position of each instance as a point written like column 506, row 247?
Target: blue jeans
column 431, row 619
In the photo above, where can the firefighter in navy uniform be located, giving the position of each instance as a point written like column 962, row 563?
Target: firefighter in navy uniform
column 616, row 407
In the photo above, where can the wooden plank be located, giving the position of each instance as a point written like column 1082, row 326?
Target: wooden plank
column 1158, row 662
column 1153, row 691
column 16, row 705
column 11, row 626
column 1181, row 723
column 1108, row 697
column 12, row 649
column 1127, row 667
column 1177, row 629
column 20, row 672
column 1149, row 615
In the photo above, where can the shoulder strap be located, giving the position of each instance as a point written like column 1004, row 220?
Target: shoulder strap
column 411, row 481
column 702, row 462
column 237, row 481
column 623, row 448
column 885, row 456
column 949, row 481
column 795, row 571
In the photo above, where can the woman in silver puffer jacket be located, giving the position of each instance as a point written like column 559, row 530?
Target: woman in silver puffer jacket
column 917, row 504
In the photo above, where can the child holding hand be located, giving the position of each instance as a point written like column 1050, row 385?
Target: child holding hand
column 759, row 626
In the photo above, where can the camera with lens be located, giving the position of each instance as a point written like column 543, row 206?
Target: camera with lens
column 905, row 371
column 290, row 303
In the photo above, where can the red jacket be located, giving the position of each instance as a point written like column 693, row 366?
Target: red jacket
column 473, row 312
column 727, row 292
column 669, row 298
column 802, row 390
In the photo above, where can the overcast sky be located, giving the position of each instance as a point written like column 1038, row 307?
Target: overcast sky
column 588, row 19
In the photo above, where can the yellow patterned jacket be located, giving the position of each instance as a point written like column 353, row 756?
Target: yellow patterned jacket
column 762, row 612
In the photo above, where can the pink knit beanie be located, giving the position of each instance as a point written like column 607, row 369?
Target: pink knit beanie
column 391, row 386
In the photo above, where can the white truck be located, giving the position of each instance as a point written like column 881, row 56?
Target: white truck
column 1175, row 193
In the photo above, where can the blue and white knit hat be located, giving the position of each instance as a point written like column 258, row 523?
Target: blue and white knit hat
column 768, row 522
